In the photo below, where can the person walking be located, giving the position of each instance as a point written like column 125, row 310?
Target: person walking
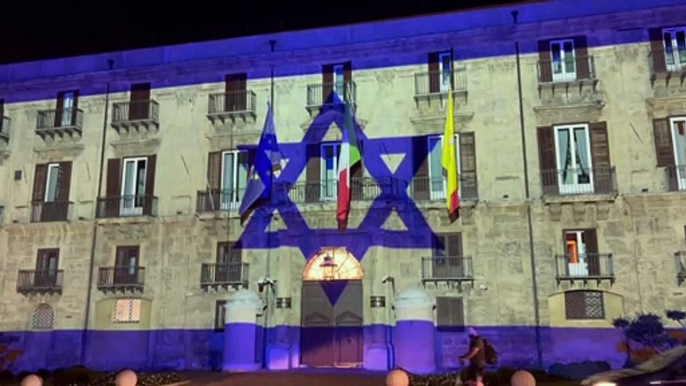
column 476, row 357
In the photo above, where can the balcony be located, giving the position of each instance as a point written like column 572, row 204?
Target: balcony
column 577, row 71
column 666, row 65
column 59, row 123
column 53, row 211
column 437, row 84
column 219, row 200
column 135, row 116
column 126, row 206
column 40, row 281
column 362, row 189
column 447, row 269
column 571, row 182
column 323, row 95
column 232, row 105
column 124, row 278
column 425, row 189
column 585, row 267
column 224, row 275
column 680, row 262
column 5, row 130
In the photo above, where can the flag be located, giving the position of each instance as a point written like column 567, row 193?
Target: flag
column 348, row 159
column 267, row 159
column 449, row 162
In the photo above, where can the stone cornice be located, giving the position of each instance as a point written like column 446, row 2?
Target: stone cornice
column 661, row 107
column 552, row 115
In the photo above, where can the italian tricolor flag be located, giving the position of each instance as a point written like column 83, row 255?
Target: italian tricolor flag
column 348, row 159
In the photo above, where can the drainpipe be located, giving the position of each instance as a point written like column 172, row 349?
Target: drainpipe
column 532, row 256
column 84, row 336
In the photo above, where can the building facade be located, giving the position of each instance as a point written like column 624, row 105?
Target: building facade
column 121, row 175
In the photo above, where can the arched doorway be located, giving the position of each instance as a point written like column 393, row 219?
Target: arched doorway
column 332, row 310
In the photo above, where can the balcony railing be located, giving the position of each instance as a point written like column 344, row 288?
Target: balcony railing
column 236, row 273
column 451, row 268
column 439, row 82
column 676, row 178
column 232, row 103
column 323, row 93
column 40, row 280
column 219, row 200
column 65, row 120
column 667, row 62
column 131, row 112
column 434, row 189
column 579, row 181
column 127, row 206
column 5, row 128
column 585, row 266
column 42, row 211
column 576, row 68
column 121, row 277
column 361, row 189
column 680, row 263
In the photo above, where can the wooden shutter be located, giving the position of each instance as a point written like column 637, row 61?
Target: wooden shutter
column 113, row 188
column 583, row 61
column 545, row 64
column 75, row 108
column 434, row 73
column 454, row 244
column 64, row 181
column 546, row 159
column 468, row 177
column 600, row 156
column 214, row 171
column 150, row 185
column 420, row 166
column 348, row 79
column 592, row 258
column 236, row 96
column 450, row 312
column 236, row 252
column 139, row 106
column 313, row 173
column 657, row 50
column 664, row 148
column 39, row 182
column 58, row 109
column 327, row 82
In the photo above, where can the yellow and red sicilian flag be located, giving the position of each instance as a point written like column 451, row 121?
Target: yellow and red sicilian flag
column 449, row 162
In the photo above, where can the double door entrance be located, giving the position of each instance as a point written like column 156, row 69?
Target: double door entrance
column 332, row 334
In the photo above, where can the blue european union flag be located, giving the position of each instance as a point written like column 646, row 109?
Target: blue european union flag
column 267, row 159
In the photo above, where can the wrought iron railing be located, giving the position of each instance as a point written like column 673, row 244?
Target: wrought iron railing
column 439, row 82
column 447, row 268
column 224, row 274
column 67, row 118
column 127, row 276
column 434, row 189
column 568, row 70
column 585, row 265
column 326, row 93
column 576, row 181
column 49, row 211
column 51, row 279
column 127, row 206
column 232, row 102
column 132, row 111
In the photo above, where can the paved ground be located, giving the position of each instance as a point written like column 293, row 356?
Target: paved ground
column 288, row 378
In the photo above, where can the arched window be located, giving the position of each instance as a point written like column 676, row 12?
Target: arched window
column 333, row 264
column 584, row 305
column 43, row 318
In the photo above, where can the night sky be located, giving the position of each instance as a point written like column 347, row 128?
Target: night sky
column 33, row 30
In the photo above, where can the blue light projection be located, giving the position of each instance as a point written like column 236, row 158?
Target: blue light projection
column 369, row 233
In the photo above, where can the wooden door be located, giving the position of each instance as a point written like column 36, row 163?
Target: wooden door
column 317, row 331
column 46, row 268
column 139, row 104
column 126, row 266
column 349, row 333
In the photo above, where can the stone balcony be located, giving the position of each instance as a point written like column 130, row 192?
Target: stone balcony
column 232, row 106
column 40, row 281
column 60, row 124
column 135, row 116
column 121, row 278
column 234, row 274
column 585, row 267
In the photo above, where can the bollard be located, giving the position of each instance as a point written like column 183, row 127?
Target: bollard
column 397, row 377
column 126, row 378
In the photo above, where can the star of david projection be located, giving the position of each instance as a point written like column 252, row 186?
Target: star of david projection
column 370, row 232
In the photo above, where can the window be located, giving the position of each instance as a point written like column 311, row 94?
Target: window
column 133, row 191
column 236, row 97
column 234, row 179
column 127, row 311
column 229, row 263
column 448, row 261
column 126, row 265
column 450, row 313
column 584, row 305
column 329, row 171
column 51, row 182
column 445, row 65
column 563, row 60
column 220, row 315
column 43, row 318
column 51, row 189
column 437, row 178
column 670, row 147
column 339, row 80
column 573, row 159
column 581, row 253
column 674, row 40
column 678, row 126
column 47, row 262
column 66, row 109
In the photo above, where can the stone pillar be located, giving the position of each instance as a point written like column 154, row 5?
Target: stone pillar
column 240, row 331
column 415, row 347
column 279, row 351
column 376, row 355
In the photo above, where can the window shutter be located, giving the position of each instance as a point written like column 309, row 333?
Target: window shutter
column 75, row 108
column 420, row 164
column 583, row 61
column 313, row 173
column 545, row 65
column 657, row 50
column 592, row 258
column 139, row 106
column 236, row 252
column 454, row 246
column 150, row 176
column 348, row 71
column 58, row 109
column 434, row 73
column 64, row 181
column 600, row 156
column 469, row 186
column 327, row 82
column 442, row 311
column 457, row 311
column 214, row 171
column 664, row 148
column 236, row 97
column 113, row 188
column 39, row 182
column 546, row 159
